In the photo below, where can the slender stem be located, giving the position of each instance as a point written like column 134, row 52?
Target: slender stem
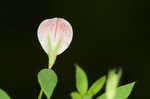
column 40, row 94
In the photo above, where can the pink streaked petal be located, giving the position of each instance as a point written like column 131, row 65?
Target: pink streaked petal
column 55, row 27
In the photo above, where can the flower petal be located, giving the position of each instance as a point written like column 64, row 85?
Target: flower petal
column 55, row 28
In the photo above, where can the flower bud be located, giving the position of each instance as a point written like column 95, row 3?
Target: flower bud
column 55, row 36
column 55, row 30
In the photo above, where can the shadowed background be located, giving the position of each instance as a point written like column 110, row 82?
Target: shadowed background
column 107, row 34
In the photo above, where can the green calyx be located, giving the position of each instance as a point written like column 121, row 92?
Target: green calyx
column 53, row 52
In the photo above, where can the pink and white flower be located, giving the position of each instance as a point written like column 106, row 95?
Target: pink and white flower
column 55, row 29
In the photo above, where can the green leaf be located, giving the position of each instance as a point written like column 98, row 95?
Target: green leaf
column 81, row 81
column 3, row 95
column 87, row 96
column 122, row 92
column 47, row 79
column 76, row 95
column 97, row 86
column 112, row 83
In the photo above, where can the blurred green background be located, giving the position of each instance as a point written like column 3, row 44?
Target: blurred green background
column 107, row 34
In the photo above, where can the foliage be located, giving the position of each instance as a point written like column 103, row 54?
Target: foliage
column 55, row 35
column 47, row 80
column 3, row 95
column 112, row 91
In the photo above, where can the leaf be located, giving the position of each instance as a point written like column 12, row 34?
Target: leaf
column 112, row 83
column 87, row 96
column 3, row 95
column 122, row 92
column 97, row 86
column 81, row 81
column 76, row 95
column 47, row 79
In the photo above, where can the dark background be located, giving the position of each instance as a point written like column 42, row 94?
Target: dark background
column 107, row 34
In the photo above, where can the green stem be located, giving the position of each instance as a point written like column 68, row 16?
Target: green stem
column 40, row 94
column 52, row 59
